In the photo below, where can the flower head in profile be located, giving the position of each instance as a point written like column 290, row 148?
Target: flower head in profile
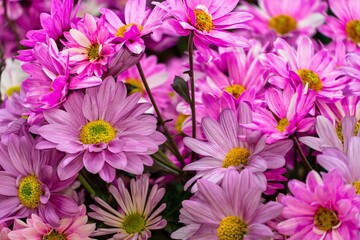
column 230, row 211
column 103, row 130
column 69, row 228
column 321, row 208
column 208, row 20
column 138, row 213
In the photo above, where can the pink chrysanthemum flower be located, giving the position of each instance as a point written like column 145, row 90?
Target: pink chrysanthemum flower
column 30, row 184
column 139, row 22
column 224, row 149
column 286, row 114
column 232, row 211
column 287, row 18
column 316, row 71
column 138, row 213
column 90, row 51
column 320, row 209
column 75, row 228
column 352, row 71
column 102, row 130
column 208, row 20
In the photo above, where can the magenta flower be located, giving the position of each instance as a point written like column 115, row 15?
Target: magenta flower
column 139, row 22
column 287, row 18
column 102, row 130
column 320, row 209
column 352, row 71
column 30, row 183
column 138, row 213
column 224, row 149
column 232, row 211
column 208, row 20
column 75, row 228
column 315, row 71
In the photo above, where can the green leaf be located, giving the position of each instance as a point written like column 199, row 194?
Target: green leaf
column 181, row 87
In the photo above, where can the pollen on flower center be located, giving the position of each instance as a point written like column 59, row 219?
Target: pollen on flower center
column 325, row 219
column 231, row 228
column 134, row 223
column 135, row 85
column 12, row 90
column 282, row 124
column 236, row 90
column 236, row 156
column 29, row 191
column 353, row 30
column 54, row 235
column 357, row 187
column 179, row 122
column 93, row 52
column 203, row 20
column 122, row 30
column 340, row 134
column 283, row 24
column 310, row 78
column 97, row 132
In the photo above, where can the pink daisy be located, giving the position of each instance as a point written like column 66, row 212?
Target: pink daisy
column 224, row 149
column 102, row 130
column 230, row 211
column 320, row 209
column 352, row 71
column 70, row 228
column 138, row 213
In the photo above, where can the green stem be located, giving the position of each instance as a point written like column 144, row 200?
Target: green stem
column 161, row 158
column 300, row 151
column 160, row 119
column 192, row 87
column 86, row 185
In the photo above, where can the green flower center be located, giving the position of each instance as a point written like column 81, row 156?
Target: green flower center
column 232, row 228
column 283, row 24
column 282, row 124
column 325, row 219
column 310, row 78
column 12, row 90
column 97, row 132
column 93, row 52
column 236, row 90
column 353, row 30
column 122, row 30
column 203, row 20
column 135, row 86
column 134, row 223
column 29, row 192
column 236, row 156
column 357, row 187
column 54, row 235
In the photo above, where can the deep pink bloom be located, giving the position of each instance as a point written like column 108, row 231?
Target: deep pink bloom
column 232, row 211
column 103, row 130
column 352, row 71
column 320, row 209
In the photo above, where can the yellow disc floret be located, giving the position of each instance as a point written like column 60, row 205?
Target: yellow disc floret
column 282, row 124
column 136, row 85
column 236, row 156
column 236, row 90
column 54, row 235
column 340, row 134
column 310, row 78
column 134, row 223
column 93, row 52
column 122, row 30
column 203, row 20
column 353, row 30
column 357, row 187
column 29, row 191
column 325, row 219
column 97, row 132
column 232, row 228
column 283, row 24
column 179, row 122
column 11, row 90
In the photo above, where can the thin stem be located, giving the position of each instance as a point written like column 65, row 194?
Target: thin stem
column 160, row 119
column 300, row 151
column 192, row 87
column 162, row 159
column 86, row 185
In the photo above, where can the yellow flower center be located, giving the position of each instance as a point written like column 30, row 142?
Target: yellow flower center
column 134, row 223
column 325, row 219
column 232, row 228
column 135, row 86
column 282, row 124
column 340, row 134
column 97, row 132
column 353, row 30
column 93, row 52
column 29, row 191
column 203, row 20
column 236, row 90
column 12, row 90
column 179, row 122
column 236, row 156
column 122, row 30
column 283, row 23
column 357, row 187
column 310, row 78
column 54, row 235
